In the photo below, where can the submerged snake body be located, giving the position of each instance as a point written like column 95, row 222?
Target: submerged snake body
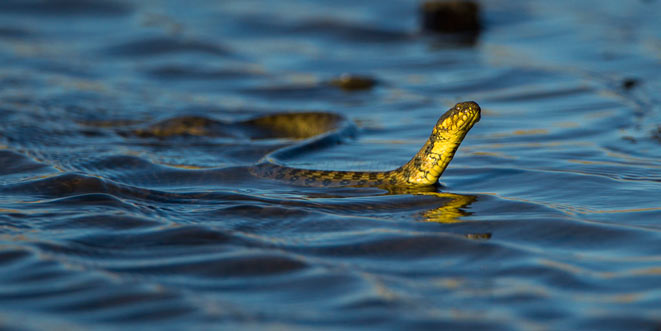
column 423, row 169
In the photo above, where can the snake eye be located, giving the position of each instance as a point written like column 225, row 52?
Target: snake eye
column 459, row 118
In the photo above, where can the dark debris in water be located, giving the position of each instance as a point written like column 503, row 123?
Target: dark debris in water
column 450, row 16
column 630, row 83
column 349, row 82
column 479, row 236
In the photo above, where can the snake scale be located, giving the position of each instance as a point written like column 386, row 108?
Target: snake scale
column 422, row 170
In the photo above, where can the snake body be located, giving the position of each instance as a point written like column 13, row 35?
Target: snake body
column 423, row 169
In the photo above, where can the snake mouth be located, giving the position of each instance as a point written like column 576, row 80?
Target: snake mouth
column 460, row 118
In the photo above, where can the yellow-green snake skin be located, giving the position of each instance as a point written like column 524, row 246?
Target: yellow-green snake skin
column 424, row 168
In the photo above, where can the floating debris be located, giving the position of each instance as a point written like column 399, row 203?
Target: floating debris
column 450, row 16
column 629, row 83
column 349, row 82
column 478, row 236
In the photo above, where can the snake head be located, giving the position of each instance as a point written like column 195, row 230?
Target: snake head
column 459, row 119
column 432, row 159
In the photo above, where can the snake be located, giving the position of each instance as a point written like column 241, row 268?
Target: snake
column 424, row 169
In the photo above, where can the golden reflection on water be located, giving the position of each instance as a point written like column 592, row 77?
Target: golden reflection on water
column 451, row 211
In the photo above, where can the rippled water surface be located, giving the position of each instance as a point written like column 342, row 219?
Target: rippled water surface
column 549, row 217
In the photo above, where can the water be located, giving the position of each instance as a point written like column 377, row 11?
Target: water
column 549, row 217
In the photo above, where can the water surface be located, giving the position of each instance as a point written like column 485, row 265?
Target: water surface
column 549, row 216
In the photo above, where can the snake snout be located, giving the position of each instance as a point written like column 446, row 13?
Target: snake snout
column 461, row 117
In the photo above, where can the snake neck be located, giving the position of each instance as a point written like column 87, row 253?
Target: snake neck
column 429, row 163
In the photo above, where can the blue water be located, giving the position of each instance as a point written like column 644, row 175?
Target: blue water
column 549, row 216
